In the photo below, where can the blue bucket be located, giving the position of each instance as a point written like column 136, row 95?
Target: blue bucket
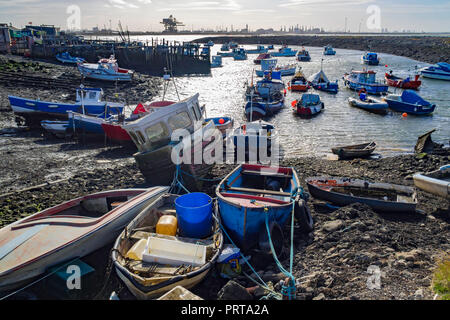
column 194, row 214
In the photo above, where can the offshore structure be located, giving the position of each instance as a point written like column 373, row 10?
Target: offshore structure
column 171, row 24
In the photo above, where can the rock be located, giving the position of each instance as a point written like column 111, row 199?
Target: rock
column 331, row 226
column 412, row 255
column 321, row 296
column 233, row 291
column 419, row 294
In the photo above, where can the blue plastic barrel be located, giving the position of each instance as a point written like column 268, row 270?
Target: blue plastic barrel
column 194, row 214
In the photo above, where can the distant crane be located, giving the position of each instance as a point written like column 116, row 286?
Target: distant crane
column 171, row 24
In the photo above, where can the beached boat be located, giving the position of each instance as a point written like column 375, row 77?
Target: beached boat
column 84, row 124
column 56, row 127
column 355, row 151
column 369, row 104
column 105, row 69
column 259, row 49
column 436, row 182
column 303, row 55
column 151, row 264
column 298, row 82
column 309, row 105
column 261, row 57
column 358, row 80
column 284, row 51
column 404, row 83
column 329, row 51
column 239, row 54
column 410, row 102
column 225, row 47
column 152, row 135
column 65, row 57
column 34, row 111
column 250, row 194
column 385, row 197
column 216, row 61
column 371, row 59
column 440, row 71
column 319, row 81
column 73, row 229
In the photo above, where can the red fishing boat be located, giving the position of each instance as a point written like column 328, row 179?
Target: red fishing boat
column 406, row 83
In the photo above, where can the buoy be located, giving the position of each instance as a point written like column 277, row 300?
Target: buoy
column 386, row 65
column 293, row 103
column 221, row 121
column 404, row 115
column 285, row 92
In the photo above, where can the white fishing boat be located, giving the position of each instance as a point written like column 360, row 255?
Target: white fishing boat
column 440, row 71
column 105, row 69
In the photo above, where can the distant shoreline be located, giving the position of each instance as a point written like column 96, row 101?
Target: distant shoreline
column 430, row 49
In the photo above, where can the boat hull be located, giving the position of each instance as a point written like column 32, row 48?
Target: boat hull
column 410, row 108
column 376, row 107
column 399, row 83
column 309, row 111
column 356, row 151
column 376, row 89
column 437, row 183
column 101, row 74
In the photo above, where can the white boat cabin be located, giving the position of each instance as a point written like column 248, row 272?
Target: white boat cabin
column 89, row 94
column 155, row 129
column 363, row 76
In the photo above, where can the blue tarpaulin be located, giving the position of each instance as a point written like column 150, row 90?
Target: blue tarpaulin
column 412, row 97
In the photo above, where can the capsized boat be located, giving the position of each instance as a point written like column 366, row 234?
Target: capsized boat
column 369, row 104
column 379, row 196
column 251, row 193
column 436, row 182
column 34, row 111
column 303, row 55
column 149, row 280
column 284, row 51
column 298, row 82
column 355, row 151
column 410, row 102
column 358, row 80
column 329, row 51
column 371, row 59
column 261, row 57
column 404, row 83
column 65, row 57
column 70, row 230
column 319, row 81
column 309, row 105
column 440, row 71
column 105, row 69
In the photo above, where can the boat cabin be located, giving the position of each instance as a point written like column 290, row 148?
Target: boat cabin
column 89, row 94
column 363, row 76
column 268, row 64
column 155, row 129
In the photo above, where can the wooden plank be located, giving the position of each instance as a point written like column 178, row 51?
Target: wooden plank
column 277, row 193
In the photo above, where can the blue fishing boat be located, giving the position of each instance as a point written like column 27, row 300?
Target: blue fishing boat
column 268, row 65
column 80, row 123
column 225, row 47
column 222, row 123
column 36, row 110
column 358, row 80
column 284, row 52
column 440, row 71
column 105, row 69
column 319, row 81
column 216, row 61
column 252, row 193
column 271, row 82
column 371, row 58
column 303, row 55
column 226, row 54
column 259, row 49
column 65, row 57
column 369, row 104
column 329, row 51
column 239, row 54
column 258, row 107
column 410, row 102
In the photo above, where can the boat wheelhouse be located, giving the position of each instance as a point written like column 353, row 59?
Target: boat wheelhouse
column 371, row 58
column 329, row 51
column 358, row 80
column 105, row 69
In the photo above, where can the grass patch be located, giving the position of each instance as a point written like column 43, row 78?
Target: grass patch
column 441, row 279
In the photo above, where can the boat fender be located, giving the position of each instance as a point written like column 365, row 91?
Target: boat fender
column 303, row 216
column 276, row 234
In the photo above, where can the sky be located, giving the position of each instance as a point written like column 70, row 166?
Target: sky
column 146, row 15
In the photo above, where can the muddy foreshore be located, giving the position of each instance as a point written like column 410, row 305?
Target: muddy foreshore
column 431, row 49
column 331, row 262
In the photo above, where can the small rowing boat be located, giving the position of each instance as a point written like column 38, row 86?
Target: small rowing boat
column 355, row 151
column 404, row 83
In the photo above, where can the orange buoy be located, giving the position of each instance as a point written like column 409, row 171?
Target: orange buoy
column 404, row 115
column 293, row 103
column 221, row 121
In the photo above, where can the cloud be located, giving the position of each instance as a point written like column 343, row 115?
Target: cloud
column 230, row 5
column 122, row 4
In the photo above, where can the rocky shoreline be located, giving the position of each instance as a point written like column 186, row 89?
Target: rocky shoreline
column 330, row 263
column 431, row 49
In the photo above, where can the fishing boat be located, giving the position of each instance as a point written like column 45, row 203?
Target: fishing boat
column 222, row 123
column 371, row 59
column 151, row 263
column 84, row 124
column 216, row 61
column 440, row 71
column 329, row 51
column 284, row 51
column 410, row 102
column 309, row 105
column 226, row 54
column 270, row 47
column 34, row 111
column 363, row 150
column 319, row 81
column 271, row 82
column 403, row 83
column 210, row 43
column 259, row 49
column 303, row 55
column 261, row 57
column 233, row 44
column 258, row 107
column 239, row 54
column 73, row 229
column 358, row 80
column 252, row 193
column 205, row 52
column 271, row 65
column 379, row 196
column 152, row 135
column 298, row 82
column 65, row 57
column 56, row 127
column 105, row 69
column 436, row 182
column 368, row 103
column 225, row 47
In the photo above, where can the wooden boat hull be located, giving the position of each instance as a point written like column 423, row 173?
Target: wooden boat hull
column 436, row 182
column 322, row 188
column 355, row 151
column 378, row 107
column 63, row 238
column 399, row 83
column 116, row 133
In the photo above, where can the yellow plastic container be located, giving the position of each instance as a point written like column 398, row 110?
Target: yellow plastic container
column 136, row 251
column 167, row 225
